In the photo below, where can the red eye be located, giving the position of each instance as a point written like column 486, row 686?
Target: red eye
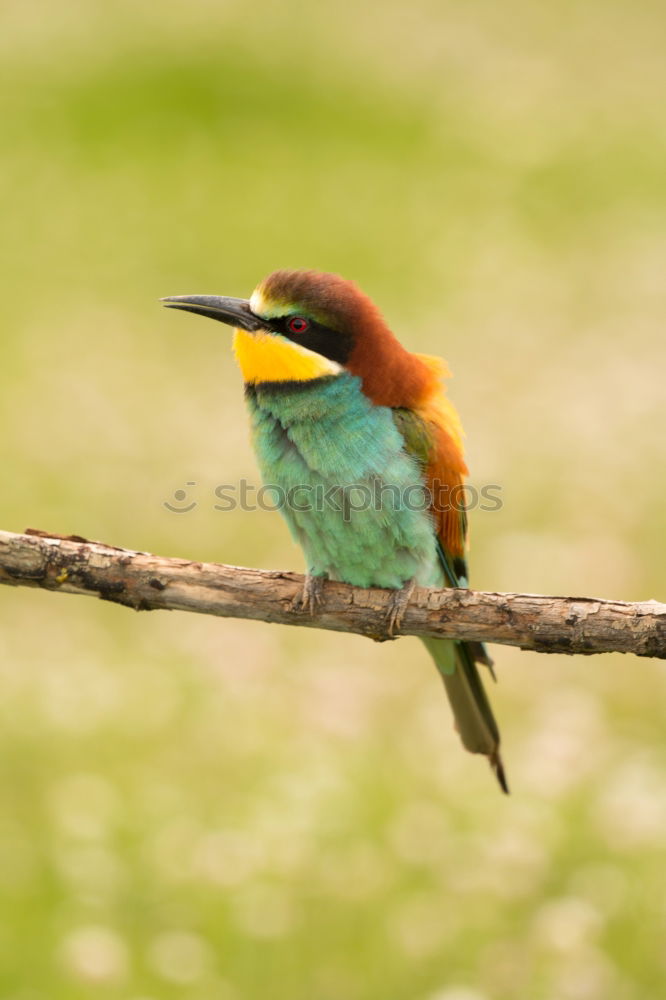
column 298, row 324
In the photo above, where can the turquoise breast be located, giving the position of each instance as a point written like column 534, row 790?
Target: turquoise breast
column 352, row 497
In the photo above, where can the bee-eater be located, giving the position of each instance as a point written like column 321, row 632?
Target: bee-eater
column 338, row 405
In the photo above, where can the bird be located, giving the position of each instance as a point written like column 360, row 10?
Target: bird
column 337, row 404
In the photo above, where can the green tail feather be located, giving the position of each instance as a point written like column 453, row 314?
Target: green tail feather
column 474, row 719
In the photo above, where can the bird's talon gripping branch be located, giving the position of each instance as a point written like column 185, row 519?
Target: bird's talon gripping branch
column 311, row 596
column 397, row 606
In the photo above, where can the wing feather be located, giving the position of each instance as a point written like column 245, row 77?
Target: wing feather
column 439, row 455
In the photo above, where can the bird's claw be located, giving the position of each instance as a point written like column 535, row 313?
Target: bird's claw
column 397, row 606
column 311, row 595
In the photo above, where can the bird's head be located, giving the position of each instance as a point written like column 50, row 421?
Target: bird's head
column 298, row 326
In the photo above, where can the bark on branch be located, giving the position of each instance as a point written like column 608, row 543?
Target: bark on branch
column 74, row 565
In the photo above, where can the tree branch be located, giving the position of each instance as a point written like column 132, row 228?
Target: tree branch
column 74, row 565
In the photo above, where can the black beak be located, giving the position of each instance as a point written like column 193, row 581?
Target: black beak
column 234, row 312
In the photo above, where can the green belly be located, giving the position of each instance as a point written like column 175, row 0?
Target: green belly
column 351, row 496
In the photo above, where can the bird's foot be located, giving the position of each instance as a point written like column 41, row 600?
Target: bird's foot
column 397, row 606
column 311, row 596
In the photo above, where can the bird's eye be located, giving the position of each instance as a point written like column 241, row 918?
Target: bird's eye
column 297, row 324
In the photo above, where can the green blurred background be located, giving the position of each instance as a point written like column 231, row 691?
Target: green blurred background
column 196, row 808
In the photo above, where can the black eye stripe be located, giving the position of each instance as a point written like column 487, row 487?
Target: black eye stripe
column 316, row 337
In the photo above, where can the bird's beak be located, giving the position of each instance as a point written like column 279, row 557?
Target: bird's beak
column 234, row 312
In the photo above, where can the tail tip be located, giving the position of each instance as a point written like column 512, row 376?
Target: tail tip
column 499, row 772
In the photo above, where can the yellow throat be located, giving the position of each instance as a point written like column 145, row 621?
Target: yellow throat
column 267, row 357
